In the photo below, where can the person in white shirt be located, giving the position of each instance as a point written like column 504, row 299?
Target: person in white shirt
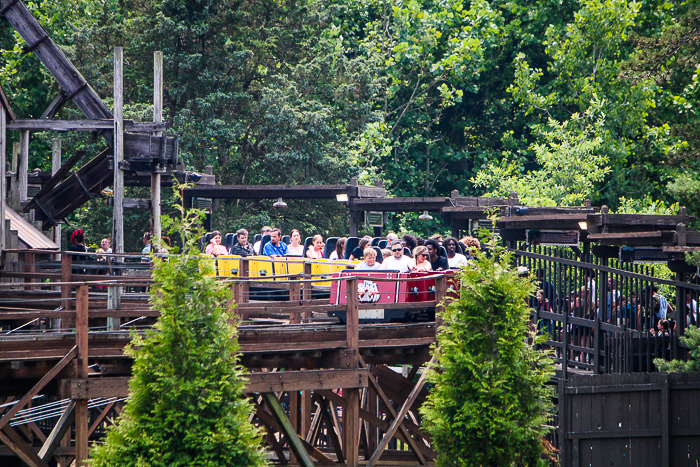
column 339, row 252
column 256, row 246
column 295, row 248
column 370, row 260
column 454, row 259
column 397, row 261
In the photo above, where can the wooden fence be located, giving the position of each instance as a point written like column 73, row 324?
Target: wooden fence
column 641, row 419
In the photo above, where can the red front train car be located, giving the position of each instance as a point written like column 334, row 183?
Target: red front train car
column 382, row 292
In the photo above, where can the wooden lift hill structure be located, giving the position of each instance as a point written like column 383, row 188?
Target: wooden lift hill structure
column 133, row 149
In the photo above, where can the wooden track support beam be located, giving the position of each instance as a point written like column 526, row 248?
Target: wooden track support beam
column 398, row 419
column 59, row 431
column 285, row 426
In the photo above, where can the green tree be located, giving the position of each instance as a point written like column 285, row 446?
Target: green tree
column 186, row 404
column 570, row 165
column 691, row 339
column 490, row 400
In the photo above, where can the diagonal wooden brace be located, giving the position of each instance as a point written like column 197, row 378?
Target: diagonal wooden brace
column 4, row 421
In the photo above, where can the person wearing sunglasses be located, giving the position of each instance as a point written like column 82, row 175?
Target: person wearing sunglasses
column 397, row 261
column 420, row 261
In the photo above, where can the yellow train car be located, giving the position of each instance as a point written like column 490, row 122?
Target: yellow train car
column 229, row 265
column 260, row 266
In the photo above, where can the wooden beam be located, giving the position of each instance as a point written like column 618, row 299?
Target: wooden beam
column 399, row 204
column 118, row 386
column 55, row 105
column 156, row 176
column 118, row 211
column 270, row 421
column 6, row 104
column 56, row 62
column 295, row 443
column 385, row 441
column 81, row 408
column 84, row 125
column 333, row 433
column 383, row 424
column 58, row 432
column 3, row 177
column 39, row 386
column 100, row 418
column 13, row 441
column 58, row 176
column 55, row 167
column 270, row 191
column 399, row 419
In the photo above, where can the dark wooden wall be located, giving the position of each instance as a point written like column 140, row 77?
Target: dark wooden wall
column 639, row 419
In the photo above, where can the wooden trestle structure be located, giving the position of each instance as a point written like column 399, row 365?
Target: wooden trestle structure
column 324, row 393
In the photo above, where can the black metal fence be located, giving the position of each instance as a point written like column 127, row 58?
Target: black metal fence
column 606, row 319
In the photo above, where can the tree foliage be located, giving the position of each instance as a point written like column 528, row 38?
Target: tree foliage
column 490, row 400
column 556, row 100
column 690, row 339
column 186, row 405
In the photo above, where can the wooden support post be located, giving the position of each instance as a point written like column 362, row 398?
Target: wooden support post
column 3, row 177
column 294, row 413
column 307, row 412
column 114, row 301
column 81, row 409
column 440, row 295
column 603, row 297
column 351, row 411
column 66, row 276
column 155, row 176
column 243, row 285
column 14, row 180
column 58, row 432
column 295, row 296
column 29, row 266
column 118, row 216
column 373, row 408
column 307, row 285
column 285, row 426
column 22, row 169
column 681, row 235
column 55, row 165
column 398, row 420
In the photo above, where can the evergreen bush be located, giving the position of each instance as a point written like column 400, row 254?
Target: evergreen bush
column 691, row 339
column 186, row 404
column 491, row 401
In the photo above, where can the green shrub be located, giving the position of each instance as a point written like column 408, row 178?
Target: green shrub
column 490, row 402
column 186, row 405
column 691, row 339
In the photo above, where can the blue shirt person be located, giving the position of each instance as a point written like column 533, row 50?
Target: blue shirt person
column 275, row 247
